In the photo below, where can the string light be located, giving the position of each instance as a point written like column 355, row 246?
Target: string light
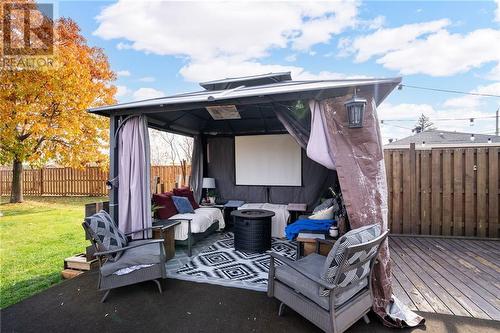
column 448, row 91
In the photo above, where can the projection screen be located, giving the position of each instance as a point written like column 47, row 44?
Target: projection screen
column 268, row 160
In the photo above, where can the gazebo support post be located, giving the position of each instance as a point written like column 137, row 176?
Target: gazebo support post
column 113, row 166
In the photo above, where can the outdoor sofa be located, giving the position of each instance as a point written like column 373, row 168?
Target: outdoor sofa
column 194, row 226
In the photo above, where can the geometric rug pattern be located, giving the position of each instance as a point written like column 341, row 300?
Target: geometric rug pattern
column 220, row 263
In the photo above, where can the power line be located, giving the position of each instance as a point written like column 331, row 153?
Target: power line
column 449, row 91
column 411, row 129
column 440, row 119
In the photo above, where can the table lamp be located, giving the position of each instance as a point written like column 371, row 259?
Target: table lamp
column 208, row 184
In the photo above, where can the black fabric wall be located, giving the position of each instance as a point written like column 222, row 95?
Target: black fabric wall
column 220, row 165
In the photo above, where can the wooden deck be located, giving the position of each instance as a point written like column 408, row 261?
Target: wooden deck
column 450, row 276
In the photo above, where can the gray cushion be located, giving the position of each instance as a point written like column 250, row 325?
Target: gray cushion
column 324, row 205
column 106, row 233
column 313, row 264
column 349, row 292
column 336, row 255
column 142, row 255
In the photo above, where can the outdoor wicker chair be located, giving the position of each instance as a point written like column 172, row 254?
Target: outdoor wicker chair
column 333, row 292
column 142, row 260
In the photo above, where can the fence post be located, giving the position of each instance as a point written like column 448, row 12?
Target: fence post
column 41, row 180
column 413, row 190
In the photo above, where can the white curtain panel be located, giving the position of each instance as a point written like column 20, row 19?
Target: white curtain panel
column 134, row 193
column 318, row 148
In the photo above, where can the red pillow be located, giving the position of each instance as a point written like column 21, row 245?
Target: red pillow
column 186, row 192
column 168, row 208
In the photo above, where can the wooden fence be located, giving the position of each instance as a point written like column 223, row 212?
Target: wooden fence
column 90, row 181
column 440, row 191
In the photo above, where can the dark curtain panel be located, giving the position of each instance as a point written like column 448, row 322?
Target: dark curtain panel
column 196, row 179
column 297, row 121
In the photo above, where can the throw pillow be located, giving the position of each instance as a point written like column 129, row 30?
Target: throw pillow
column 165, row 201
column 182, row 204
column 186, row 192
column 325, row 214
column 324, row 205
column 336, row 255
column 108, row 236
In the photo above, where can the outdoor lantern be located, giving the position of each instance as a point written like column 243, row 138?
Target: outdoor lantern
column 355, row 110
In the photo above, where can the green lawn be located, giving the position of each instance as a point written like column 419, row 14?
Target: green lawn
column 35, row 237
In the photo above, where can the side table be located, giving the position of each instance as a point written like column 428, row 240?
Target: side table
column 307, row 246
column 295, row 209
column 165, row 229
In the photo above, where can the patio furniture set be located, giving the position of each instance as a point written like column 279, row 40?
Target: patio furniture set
column 269, row 141
column 332, row 291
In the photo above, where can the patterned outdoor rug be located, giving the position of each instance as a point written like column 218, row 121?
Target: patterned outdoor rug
column 221, row 264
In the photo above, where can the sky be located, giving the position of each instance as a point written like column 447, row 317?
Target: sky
column 162, row 48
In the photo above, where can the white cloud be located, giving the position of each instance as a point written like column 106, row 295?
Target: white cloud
column 229, row 67
column 123, row 73
column 122, row 91
column 238, row 32
column 377, row 23
column 445, row 54
column 146, row 93
column 147, row 79
column 242, row 29
column 473, row 101
column 291, row 58
column 494, row 74
column 426, row 48
column 390, row 39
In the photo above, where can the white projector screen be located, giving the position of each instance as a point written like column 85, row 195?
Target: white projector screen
column 268, row 160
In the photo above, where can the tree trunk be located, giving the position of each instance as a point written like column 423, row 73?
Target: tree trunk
column 16, row 193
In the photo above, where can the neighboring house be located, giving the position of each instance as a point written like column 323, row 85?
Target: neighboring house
column 437, row 138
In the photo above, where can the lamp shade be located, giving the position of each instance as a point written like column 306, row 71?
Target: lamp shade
column 208, row 183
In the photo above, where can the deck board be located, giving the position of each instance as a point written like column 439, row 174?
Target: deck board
column 450, row 276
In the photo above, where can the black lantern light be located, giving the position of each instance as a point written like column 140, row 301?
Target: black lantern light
column 355, row 110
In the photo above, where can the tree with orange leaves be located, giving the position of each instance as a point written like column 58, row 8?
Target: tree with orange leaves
column 43, row 110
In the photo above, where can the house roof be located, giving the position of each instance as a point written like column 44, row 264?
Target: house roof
column 255, row 98
column 439, row 137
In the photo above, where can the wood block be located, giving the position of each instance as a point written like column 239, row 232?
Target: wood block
column 80, row 262
column 70, row 273
column 169, row 240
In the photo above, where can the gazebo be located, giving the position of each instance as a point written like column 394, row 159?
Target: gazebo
column 334, row 122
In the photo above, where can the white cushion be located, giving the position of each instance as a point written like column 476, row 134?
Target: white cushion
column 279, row 220
column 325, row 214
column 201, row 220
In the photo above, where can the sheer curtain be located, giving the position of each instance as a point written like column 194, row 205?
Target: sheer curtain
column 359, row 160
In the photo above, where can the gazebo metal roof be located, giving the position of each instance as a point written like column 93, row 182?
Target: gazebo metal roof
column 187, row 114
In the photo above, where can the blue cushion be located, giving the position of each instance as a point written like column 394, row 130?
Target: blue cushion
column 182, row 204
